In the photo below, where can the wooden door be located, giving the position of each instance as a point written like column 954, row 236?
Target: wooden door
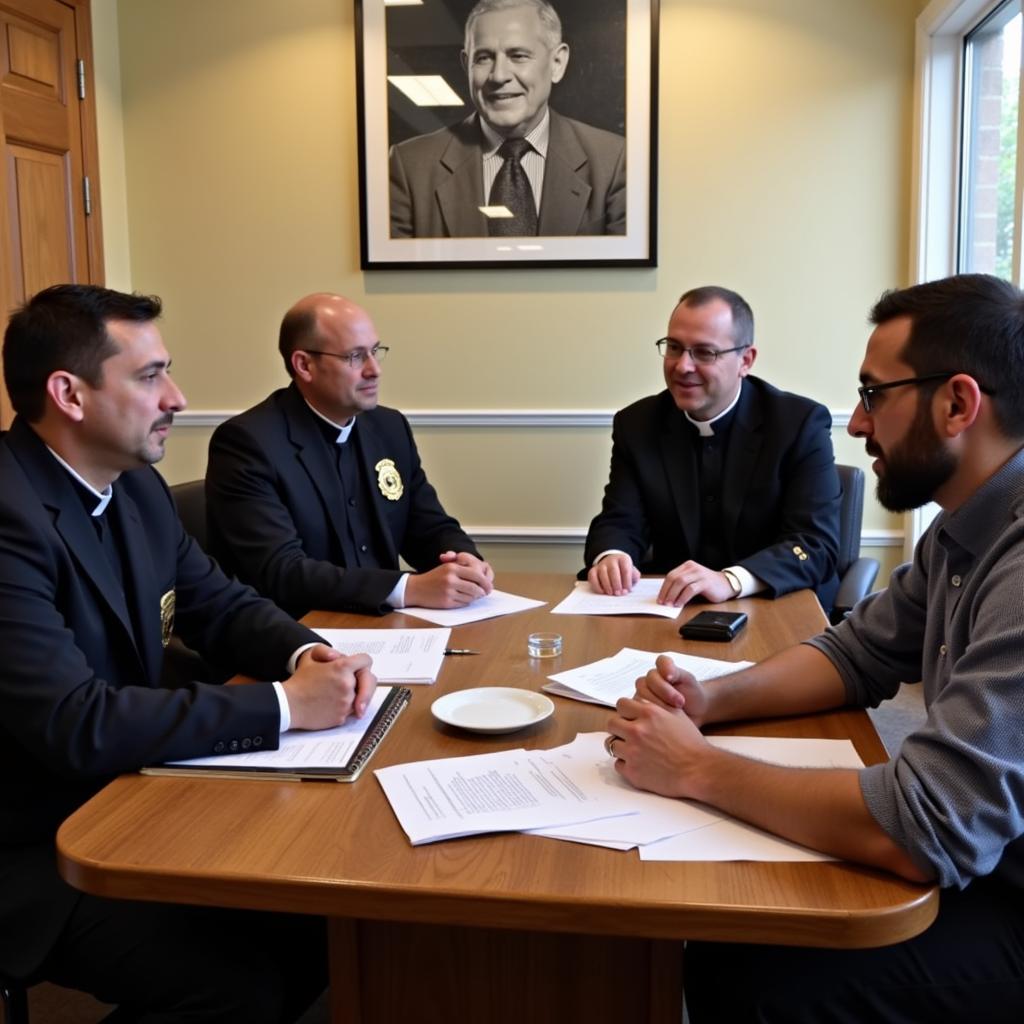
column 49, row 214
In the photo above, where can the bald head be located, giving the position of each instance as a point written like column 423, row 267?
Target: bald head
column 330, row 349
column 317, row 318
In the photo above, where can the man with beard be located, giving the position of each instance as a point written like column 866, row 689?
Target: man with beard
column 942, row 409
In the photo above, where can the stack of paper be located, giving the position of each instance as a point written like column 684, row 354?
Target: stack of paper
column 399, row 655
column 607, row 680
column 574, row 793
column 641, row 600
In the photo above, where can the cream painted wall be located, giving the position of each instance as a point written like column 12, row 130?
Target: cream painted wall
column 783, row 172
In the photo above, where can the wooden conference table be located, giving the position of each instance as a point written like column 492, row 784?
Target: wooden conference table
column 501, row 927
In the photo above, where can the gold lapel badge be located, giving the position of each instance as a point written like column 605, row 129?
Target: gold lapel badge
column 389, row 480
column 166, row 617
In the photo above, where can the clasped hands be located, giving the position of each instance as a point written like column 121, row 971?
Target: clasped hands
column 616, row 575
column 460, row 579
column 655, row 735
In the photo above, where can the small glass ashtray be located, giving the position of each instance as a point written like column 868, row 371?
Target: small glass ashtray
column 544, row 645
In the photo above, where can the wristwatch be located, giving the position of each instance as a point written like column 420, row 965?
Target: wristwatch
column 734, row 581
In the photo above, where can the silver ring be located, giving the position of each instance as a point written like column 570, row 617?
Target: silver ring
column 608, row 741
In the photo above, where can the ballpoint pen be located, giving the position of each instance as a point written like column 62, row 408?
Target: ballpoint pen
column 458, row 650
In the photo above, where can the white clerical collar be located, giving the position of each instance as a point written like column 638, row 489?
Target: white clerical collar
column 538, row 138
column 343, row 432
column 102, row 497
column 704, row 426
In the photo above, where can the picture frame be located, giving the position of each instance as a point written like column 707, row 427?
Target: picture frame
column 425, row 154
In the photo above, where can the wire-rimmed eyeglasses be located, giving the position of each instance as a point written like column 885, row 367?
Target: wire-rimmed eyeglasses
column 357, row 357
column 702, row 354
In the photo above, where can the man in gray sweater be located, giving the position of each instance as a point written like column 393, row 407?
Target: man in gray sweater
column 942, row 411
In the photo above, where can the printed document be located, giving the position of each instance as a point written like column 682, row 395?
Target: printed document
column 496, row 603
column 399, row 655
column 507, row 791
column 605, row 681
column 641, row 600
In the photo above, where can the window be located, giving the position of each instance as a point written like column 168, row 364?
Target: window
column 989, row 235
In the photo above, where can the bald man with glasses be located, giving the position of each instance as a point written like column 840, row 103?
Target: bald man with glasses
column 721, row 483
column 313, row 494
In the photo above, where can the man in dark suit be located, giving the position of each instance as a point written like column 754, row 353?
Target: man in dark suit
column 722, row 483
column 95, row 570
column 533, row 171
column 314, row 493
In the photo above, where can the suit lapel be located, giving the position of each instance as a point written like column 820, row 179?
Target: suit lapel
column 315, row 456
column 372, row 449
column 70, row 520
column 459, row 197
column 679, row 462
column 745, row 440
column 144, row 578
column 564, row 199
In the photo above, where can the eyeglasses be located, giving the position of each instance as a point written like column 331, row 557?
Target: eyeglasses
column 704, row 355
column 357, row 357
column 868, row 391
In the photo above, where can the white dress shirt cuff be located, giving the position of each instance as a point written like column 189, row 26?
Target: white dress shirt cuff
column 282, row 701
column 610, row 551
column 749, row 583
column 396, row 599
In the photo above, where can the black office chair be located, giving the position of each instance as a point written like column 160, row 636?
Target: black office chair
column 14, row 997
column 856, row 574
column 190, row 499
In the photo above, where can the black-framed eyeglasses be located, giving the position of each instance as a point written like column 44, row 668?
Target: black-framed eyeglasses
column 702, row 354
column 868, row 391
column 357, row 357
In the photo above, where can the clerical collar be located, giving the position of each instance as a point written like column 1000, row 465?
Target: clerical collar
column 343, row 432
column 102, row 497
column 704, row 427
column 538, row 138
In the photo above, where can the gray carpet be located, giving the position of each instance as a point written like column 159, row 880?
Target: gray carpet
column 899, row 716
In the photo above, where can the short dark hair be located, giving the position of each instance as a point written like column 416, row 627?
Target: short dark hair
column 298, row 329
column 969, row 323
column 65, row 328
column 742, row 314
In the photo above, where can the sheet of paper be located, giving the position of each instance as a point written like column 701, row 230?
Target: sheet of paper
column 641, row 600
column 399, row 655
column 505, row 791
column 729, row 839
column 496, row 603
column 605, row 681
column 326, row 748
column 654, row 817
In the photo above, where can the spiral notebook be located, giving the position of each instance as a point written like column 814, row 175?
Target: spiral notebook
column 330, row 755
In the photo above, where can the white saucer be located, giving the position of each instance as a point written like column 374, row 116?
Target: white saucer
column 492, row 709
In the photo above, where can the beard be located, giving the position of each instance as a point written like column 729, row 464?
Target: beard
column 915, row 468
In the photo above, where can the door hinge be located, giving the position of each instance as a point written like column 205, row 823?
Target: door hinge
column 87, row 195
column 81, row 79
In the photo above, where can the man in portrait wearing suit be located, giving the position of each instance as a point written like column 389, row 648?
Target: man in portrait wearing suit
column 95, row 571
column 547, row 174
column 721, row 483
column 313, row 494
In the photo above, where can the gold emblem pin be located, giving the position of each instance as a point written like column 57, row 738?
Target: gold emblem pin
column 389, row 480
column 800, row 553
column 166, row 617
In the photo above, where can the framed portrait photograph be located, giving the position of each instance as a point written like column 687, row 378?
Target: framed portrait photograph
column 497, row 132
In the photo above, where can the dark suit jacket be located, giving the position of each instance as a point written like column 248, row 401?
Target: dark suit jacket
column 437, row 183
column 80, row 694
column 780, row 491
column 276, row 512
